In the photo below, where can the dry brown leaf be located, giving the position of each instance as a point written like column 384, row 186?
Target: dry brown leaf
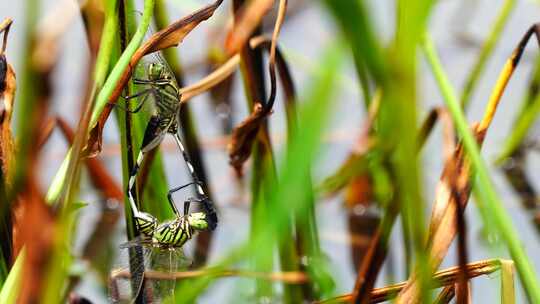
column 244, row 136
column 37, row 238
column 8, row 86
column 289, row 277
column 454, row 185
column 248, row 19
column 446, row 277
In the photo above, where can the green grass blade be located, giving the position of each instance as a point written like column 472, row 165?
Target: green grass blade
column 486, row 51
column 353, row 19
column 12, row 285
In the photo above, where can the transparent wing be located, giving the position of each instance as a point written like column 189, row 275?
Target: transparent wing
column 162, row 273
column 126, row 281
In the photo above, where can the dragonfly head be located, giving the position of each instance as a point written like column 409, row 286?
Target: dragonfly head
column 157, row 71
column 198, row 221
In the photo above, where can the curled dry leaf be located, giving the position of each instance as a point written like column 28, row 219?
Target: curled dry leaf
column 7, row 97
column 454, row 188
column 245, row 134
column 5, row 25
column 243, row 137
column 170, row 36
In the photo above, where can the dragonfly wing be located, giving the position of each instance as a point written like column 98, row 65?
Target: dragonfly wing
column 126, row 281
column 165, row 265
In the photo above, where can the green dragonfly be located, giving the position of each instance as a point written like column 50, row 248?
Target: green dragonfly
column 158, row 249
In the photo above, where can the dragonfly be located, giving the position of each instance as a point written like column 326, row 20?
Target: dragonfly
column 155, row 258
column 159, row 246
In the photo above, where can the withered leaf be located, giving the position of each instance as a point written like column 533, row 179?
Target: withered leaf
column 7, row 98
column 248, row 19
column 454, row 188
column 445, row 277
column 244, row 135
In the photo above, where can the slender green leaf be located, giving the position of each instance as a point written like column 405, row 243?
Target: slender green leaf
column 12, row 285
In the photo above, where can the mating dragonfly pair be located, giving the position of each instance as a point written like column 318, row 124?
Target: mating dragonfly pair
column 158, row 246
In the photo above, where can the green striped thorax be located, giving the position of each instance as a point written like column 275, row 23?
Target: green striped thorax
column 166, row 94
column 175, row 232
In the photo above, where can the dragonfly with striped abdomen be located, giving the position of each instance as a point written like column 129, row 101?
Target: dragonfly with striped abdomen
column 158, row 248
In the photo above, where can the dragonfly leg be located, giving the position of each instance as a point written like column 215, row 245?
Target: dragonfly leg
column 189, row 164
column 128, row 98
column 171, row 202
column 143, row 93
column 143, row 81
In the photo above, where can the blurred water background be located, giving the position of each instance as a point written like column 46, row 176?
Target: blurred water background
column 304, row 36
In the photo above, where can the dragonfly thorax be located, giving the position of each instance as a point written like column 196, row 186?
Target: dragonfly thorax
column 173, row 233
column 158, row 71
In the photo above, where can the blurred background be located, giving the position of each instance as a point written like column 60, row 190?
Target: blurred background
column 458, row 28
